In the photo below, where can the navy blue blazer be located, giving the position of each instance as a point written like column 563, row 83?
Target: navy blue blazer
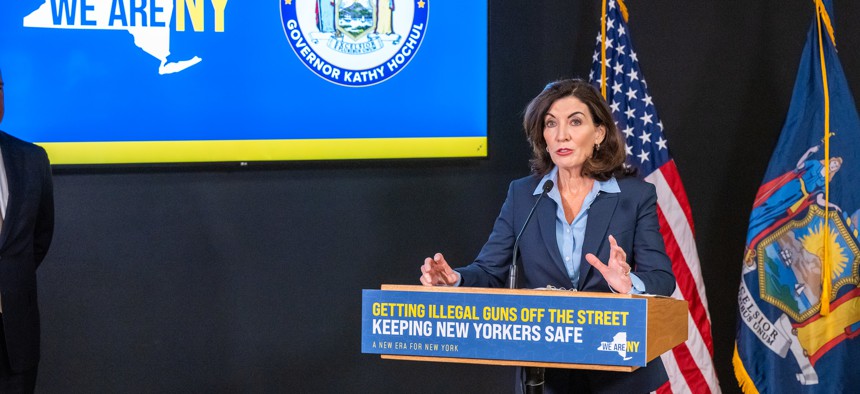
column 630, row 216
column 24, row 241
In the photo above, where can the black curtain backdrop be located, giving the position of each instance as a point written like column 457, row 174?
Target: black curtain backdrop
column 248, row 279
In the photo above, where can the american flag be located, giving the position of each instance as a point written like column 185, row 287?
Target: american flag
column 690, row 365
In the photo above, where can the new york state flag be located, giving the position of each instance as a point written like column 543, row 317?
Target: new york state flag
column 799, row 301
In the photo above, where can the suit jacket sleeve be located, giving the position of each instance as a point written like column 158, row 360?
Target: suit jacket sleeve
column 44, row 229
column 652, row 265
column 490, row 268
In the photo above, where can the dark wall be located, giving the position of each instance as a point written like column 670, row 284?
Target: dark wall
column 249, row 279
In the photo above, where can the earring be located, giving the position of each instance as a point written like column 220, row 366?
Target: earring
column 547, row 149
column 597, row 147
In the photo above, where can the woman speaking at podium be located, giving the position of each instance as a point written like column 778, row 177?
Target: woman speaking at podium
column 581, row 221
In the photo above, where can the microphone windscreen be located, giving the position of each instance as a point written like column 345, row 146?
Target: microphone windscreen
column 547, row 186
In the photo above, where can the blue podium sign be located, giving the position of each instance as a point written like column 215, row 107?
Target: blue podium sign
column 554, row 328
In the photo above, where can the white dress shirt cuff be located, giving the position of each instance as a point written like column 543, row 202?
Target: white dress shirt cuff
column 638, row 285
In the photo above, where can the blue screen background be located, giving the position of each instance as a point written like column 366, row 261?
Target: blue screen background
column 65, row 85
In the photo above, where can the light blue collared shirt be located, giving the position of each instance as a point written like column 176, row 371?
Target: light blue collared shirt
column 570, row 236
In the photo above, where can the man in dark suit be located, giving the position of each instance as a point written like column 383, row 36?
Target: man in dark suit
column 27, row 210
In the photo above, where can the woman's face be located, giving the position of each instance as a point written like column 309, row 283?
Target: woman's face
column 834, row 165
column 570, row 133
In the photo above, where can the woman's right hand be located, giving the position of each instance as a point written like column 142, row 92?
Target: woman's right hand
column 437, row 272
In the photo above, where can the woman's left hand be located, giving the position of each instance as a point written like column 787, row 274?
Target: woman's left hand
column 616, row 272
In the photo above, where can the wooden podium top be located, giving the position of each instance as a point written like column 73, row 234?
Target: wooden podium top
column 488, row 290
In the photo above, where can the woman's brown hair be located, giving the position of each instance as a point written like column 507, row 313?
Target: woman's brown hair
column 607, row 159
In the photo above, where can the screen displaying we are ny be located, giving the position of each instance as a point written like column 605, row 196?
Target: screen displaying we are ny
column 172, row 81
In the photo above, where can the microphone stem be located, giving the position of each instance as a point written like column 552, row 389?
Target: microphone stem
column 534, row 379
column 512, row 273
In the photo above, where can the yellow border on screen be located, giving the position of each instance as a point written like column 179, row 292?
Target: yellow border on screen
column 262, row 150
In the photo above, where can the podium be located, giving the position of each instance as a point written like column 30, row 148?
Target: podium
column 528, row 328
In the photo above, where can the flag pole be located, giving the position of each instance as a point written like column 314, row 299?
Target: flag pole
column 603, row 51
column 826, row 263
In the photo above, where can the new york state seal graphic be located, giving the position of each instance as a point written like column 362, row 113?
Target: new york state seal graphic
column 355, row 42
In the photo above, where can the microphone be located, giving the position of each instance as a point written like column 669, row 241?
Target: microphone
column 512, row 274
column 534, row 379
